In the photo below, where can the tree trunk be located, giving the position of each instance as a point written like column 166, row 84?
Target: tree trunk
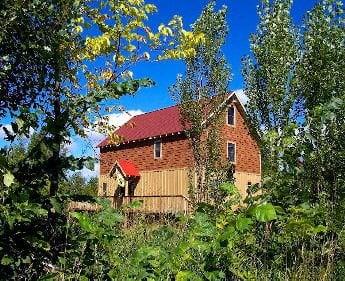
column 56, row 149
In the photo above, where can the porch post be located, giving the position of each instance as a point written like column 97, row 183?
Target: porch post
column 126, row 187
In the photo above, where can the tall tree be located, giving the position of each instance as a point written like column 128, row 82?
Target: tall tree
column 322, row 87
column 88, row 49
column 25, row 55
column 270, row 74
column 202, row 92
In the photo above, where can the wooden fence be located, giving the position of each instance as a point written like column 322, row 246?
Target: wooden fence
column 83, row 206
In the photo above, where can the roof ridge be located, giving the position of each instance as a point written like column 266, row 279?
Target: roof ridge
column 159, row 109
column 135, row 116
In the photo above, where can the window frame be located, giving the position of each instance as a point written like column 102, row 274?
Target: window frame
column 227, row 151
column 160, row 149
column 105, row 188
column 227, row 115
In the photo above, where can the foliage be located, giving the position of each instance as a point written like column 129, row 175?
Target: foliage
column 76, row 184
column 290, row 227
column 201, row 94
column 50, row 83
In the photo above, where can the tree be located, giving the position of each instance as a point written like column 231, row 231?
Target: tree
column 201, row 94
column 25, row 55
column 77, row 185
column 270, row 76
column 296, row 103
column 322, row 87
column 57, row 103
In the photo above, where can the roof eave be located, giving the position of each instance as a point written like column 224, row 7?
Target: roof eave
column 142, row 139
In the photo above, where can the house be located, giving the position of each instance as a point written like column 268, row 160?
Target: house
column 153, row 160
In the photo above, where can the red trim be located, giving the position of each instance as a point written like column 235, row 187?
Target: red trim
column 128, row 169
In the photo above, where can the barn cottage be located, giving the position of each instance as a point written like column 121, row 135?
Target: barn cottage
column 153, row 161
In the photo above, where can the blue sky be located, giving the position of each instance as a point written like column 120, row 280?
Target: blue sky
column 242, row 20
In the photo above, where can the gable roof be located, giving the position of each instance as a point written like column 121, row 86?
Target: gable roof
column 127, row 168
column 161, row 122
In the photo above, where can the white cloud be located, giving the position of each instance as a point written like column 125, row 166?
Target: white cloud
column 118, row 119
column 94, row 137
column 241, row 96
column 87, row 146
column 90, row 173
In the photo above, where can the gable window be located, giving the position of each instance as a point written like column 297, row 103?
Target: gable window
column 104, row 188
column 157, row 149
column 231, row 152
column 230, row 119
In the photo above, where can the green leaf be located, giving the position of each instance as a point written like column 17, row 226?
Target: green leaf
column 265, row 212
column 85, row 222
column 228, row 187
column 187, row 276
column 8, row 179
column 56, row 205
column 49, row 277
column 6, row 260
column 90, row 164
column 135, row 204
column 243, row 224
column 215, row 275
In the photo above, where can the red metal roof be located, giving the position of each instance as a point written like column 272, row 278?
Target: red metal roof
column 128, row 168
column 151, row 124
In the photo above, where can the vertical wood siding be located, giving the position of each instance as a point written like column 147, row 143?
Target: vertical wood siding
column 160, row 190
column 242, row 179
column 163, row 182
column 166, row 191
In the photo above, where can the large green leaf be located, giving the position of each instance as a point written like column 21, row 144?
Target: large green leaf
column 265, row 212
column 243, row 224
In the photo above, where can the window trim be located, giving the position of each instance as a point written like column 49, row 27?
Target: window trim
column 105, row 188
column 227, row 151
column 227, row 115
column 160, row 149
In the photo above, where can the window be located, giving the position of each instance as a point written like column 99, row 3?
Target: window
column 104, row 188
column 231, row 152
column 157, row 149
column 231, row 115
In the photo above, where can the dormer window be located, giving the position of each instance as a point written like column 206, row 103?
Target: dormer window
column 230, row 120
column 157, row 149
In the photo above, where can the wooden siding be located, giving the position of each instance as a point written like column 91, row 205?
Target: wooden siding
column 163, row 182
column 160, row 204
column 111, row 185
column 242, row 179
column 161, row 191
column 165, row 191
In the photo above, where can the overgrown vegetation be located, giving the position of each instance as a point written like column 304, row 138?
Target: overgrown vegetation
column 292, row 229
column 201, row 94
